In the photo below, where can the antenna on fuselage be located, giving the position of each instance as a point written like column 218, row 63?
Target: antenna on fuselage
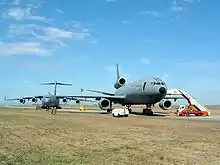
column 55, row 85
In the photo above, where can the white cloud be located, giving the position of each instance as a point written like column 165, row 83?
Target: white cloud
column 152, row 13
column 59, row 11
column 20, row 14
column 145, row 61
column 126, row 22
column 46, row 33
column 192, row 1
column 33, row 64
column 16, row 2
column 200, row 64
column 34, row 37
column 177, row 8
column 20, row 48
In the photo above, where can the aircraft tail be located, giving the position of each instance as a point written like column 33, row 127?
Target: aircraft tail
column 55, row 85
column 117, row 70
column 120, row 81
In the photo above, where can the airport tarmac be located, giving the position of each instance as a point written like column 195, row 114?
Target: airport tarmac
column 212, row 118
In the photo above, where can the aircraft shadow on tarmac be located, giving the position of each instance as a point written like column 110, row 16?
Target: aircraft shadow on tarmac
column 141, row 114
column 105, row 113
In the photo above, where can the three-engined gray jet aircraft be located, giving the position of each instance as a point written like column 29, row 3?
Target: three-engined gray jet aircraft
column 147, row 91
column 50, row 100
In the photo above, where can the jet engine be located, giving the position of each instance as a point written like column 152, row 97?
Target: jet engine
column 165, row 104
column 22, row 101
column 64, row 100
column 104, row 104
column 77, row 102
column 119, row 83
column 34, row 100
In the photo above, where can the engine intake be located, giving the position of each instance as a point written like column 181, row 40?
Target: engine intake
column 22, row 101
column 104, row 104
column 165, row 104
column 77, row 101
column 119, row 83
column 34, row 100
column 64, row 100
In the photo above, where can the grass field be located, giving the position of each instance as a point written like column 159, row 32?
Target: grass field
column 37, row 137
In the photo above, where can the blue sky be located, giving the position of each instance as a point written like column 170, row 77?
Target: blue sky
column 79, row 42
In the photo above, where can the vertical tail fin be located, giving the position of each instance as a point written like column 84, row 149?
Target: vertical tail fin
column 55, row 85
column 120, row 80
column 117, row 70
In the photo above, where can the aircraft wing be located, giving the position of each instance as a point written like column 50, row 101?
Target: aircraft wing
column 25, row 98
column 174, row 97
column 73, row 98
column 105, row 93
column 111, row 98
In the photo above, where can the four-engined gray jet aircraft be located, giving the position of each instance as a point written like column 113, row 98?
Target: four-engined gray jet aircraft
column 48, row 101
column 147, row 91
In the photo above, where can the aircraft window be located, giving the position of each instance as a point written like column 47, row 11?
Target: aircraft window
column 152, row 83
column 144, row 85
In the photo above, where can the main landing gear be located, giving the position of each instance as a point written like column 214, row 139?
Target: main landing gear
column 109, row 110
column 148, row 110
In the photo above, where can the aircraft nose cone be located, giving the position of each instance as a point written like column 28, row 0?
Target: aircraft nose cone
column 162, row 90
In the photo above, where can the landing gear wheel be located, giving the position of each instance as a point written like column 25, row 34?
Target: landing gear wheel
column 109, row 110
column 148, row 112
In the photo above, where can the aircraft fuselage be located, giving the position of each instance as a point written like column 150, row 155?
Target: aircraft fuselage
column 146, row 91
column 50, row 102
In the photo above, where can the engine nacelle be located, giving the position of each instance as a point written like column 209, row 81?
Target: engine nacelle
column 104, row 104
column 119, row 83
column 165, row 104
column 22, row 101
column 34, row 100
column 64, row 100
column 77, row 102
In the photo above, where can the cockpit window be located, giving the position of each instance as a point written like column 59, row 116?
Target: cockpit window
column 157, row 83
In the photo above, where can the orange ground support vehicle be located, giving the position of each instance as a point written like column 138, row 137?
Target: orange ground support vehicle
column 191, row 110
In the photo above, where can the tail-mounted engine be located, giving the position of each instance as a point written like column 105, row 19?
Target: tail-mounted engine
column 165, row 104
column 104, row 104
column 119, row 83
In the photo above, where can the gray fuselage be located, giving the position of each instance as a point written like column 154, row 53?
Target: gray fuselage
column 145, row 91
column 52, row 101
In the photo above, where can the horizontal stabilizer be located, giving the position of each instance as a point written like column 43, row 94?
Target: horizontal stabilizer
column 55, row 83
